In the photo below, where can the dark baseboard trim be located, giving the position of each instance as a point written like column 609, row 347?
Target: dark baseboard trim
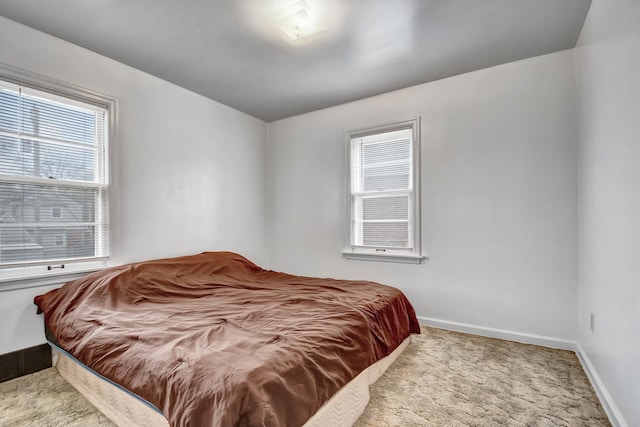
column 25, row 361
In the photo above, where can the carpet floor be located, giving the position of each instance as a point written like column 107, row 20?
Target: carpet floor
column 443, row 379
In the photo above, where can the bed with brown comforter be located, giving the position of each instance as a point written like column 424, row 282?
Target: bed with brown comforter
column 214, row 340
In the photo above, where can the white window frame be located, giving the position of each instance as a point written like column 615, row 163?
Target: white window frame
column 47, row 272
column 413, row 254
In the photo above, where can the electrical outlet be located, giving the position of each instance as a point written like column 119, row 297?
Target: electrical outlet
column 592, row 323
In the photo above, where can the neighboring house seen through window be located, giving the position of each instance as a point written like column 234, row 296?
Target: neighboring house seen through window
column 54, row 183
column 384, row 196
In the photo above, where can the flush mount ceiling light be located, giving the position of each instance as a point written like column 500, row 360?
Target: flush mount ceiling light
column 296, row 21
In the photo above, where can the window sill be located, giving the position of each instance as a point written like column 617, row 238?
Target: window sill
column 400, row 258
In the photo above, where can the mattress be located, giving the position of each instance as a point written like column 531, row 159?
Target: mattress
column 126, row 409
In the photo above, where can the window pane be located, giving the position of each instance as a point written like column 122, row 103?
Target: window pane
column 26, row 203
column 26, row 157
column 47, row 222
column 20, row 244
column 386, row 234
column 53, row 120
column 389, row 177
column 386, row 151
column 377, row 208
column 386, row 165
column 33, row 115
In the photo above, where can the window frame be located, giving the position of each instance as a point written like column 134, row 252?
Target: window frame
column 413, row 254
column 22, row 275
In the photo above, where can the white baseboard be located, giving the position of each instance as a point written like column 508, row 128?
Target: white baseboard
column 615, row 417
column 499, row 333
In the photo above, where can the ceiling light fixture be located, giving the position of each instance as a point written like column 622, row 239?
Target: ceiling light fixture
column 296, row 21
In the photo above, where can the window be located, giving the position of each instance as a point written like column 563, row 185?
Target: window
column 384, row 196
column 54, row 184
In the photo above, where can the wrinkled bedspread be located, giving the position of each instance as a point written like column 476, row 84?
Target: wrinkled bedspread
column 214, row 340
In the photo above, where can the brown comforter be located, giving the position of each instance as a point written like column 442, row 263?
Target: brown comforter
column 214, row 340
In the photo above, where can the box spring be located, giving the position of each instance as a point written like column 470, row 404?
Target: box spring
column 126, row 409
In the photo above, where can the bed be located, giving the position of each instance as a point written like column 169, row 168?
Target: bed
column 214, row 340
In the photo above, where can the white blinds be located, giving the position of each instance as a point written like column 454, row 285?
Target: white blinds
column 381, row 189
column 53, row 178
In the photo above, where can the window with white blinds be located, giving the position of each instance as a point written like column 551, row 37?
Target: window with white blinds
column 54, row 182
column 383, row 192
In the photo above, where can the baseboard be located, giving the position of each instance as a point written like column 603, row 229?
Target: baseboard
column 25, row 361
column 615, row 417
column 499, row 333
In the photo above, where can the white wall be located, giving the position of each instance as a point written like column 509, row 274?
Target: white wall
column 608, row 69
column 188, row 171
column 498, row 196
column 20, row 326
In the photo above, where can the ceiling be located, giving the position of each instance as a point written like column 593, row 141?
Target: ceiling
column 229, row 50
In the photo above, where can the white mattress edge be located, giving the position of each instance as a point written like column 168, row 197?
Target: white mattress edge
column 126, row 410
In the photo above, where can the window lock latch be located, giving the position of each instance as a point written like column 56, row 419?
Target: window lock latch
column 51, row 267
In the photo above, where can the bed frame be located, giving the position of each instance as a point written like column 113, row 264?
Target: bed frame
column 126, row 409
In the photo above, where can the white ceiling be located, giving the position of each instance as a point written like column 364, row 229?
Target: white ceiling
column 228, row 50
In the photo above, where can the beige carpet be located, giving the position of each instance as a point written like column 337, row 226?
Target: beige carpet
column 443, row 379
